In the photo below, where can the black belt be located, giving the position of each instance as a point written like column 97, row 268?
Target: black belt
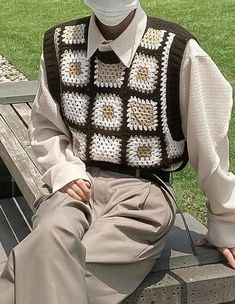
column 136, row 172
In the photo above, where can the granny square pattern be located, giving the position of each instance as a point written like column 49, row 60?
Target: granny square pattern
column 144, row 73
column 107, row 112
column 74, row 34
column 109, row 75
column 105, row 148
column 75, row 107
column 142, row 114
column 75, row 68
column 143, row 151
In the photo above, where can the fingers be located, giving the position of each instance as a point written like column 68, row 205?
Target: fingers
column 87, row 184
column 229, row 255
column 84, row 188
column 82, row 192
column 73, row 194
column 78, row 189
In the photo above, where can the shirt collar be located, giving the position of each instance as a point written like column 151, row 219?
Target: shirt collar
column 126, row 44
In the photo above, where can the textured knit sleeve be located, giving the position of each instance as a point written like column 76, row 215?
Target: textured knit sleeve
column 51, row 141
column 206, row 104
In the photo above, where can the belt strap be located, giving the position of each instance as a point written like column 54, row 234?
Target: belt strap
column 162, row 184
column 136, row 172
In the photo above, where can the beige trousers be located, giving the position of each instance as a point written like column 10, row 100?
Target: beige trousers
column 96, row 253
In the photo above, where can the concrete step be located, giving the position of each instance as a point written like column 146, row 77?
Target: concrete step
column 207, row 284
column 179, row 252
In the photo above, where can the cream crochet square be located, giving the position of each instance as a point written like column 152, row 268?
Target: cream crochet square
column 144, row 151
column 75, row 107
column 108, row 112
column 74, row 34
column 109, row 75
column 142, row 114
column 153, row 39
column 144, row 73
column 75, row 68
column 105, row 148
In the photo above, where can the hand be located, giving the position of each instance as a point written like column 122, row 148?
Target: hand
column 228, row 253
column 78, row 189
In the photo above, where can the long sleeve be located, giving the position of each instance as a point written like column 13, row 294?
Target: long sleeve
column 206, row 104
column 51, row 141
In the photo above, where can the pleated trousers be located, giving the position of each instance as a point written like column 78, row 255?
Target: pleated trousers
column 96, row 252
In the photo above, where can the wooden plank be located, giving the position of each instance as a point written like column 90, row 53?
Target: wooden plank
column 14, row 218
column 7, row 237
column 19, row 129
column 30, row 104
column 17, row 92
column 20, row 166
column 15, row 124
column 32, row 156
column 24, row 111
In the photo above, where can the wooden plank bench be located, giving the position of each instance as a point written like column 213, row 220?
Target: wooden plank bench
column 174, row 278
column 16, row 151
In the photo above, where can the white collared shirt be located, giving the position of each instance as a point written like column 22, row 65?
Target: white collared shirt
column 205, row 105
column 125, row 45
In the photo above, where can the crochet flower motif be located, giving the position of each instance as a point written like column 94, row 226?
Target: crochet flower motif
column 74, row 34
column 75, row 68
column 143, row 151
column 144, row 73
column 142, row 114
column 107, row 112
column 152, row 39
column 109, row 75
column 79, row 143
column 75, row 107
column 105, row 148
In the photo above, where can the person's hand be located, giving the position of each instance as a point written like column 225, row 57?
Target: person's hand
column 228, row 253
column 78, row 189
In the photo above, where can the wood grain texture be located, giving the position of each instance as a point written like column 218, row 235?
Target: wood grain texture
column 15, row 124
column 23, row 170
column 24, row 111
column 17, row 117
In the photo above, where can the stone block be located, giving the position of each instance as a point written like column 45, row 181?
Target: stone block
column 207, row 284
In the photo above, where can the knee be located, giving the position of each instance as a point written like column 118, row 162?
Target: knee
column 59, row 229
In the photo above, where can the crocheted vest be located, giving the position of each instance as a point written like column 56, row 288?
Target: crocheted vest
column 118, row 115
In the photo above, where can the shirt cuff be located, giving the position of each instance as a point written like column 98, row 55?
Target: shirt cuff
column 221, row 230
column 63, row 173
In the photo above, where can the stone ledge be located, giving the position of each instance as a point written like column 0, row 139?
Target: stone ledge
column 178, row 252
column 207, row 284
column 15, row 92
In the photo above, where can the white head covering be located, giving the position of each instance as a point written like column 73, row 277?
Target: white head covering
column 112, row 12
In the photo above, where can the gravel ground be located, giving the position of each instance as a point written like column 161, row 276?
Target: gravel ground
column 8, row 72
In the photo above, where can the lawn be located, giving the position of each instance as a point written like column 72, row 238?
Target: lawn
column 23, row 22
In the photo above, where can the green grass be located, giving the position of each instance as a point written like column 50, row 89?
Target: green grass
column 23, row 22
